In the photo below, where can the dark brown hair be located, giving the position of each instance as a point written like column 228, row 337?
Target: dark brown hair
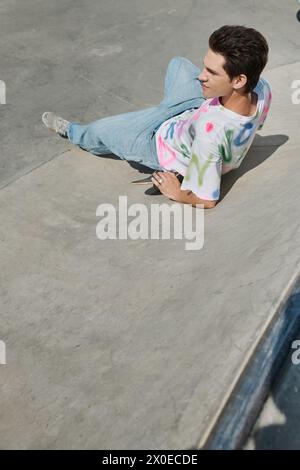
column 245, row 51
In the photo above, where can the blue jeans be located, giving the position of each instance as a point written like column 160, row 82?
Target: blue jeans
column 131, row 136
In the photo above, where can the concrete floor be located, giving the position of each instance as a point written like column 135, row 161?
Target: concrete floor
column 123, row 344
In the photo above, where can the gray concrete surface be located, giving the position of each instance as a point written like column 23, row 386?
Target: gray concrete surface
column 278, row 426
column 121, row 343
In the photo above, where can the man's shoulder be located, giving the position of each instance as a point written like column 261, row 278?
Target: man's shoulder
column 263, row 87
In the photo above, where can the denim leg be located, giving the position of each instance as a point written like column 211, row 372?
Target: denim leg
column 182, row 91
column 131, row 136
column 182, row 88
column 80, row 134
column 126, row 135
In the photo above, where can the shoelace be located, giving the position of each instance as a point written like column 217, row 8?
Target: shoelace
column 61, row 125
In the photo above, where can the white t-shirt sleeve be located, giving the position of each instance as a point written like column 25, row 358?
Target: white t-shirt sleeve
column 265, row 86
column 203, row 175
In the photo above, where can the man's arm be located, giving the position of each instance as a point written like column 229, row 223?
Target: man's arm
column 188, row 197
column 169, row 185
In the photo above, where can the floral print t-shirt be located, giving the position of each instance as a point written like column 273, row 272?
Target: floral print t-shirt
column 203, row 143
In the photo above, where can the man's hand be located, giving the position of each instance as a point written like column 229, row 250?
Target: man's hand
column 167, row 183
column 169, row 186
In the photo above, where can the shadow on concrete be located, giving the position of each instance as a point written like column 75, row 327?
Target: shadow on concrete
column 141, row 168
column 261, row 149
column 136, row 165
column 282, row 406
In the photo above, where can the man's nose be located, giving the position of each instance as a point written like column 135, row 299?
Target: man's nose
column 202, row 77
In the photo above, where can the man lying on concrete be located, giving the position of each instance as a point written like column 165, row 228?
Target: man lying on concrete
column 203, row 127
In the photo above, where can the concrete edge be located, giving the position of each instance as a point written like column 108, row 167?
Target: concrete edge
column 240, row 407
column 26, row 172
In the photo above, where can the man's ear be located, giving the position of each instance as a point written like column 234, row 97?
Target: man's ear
column 240, row 81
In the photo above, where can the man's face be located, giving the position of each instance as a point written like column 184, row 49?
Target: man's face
column 215, row 81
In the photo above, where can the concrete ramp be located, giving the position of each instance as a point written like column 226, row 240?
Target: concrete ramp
column 137, row 344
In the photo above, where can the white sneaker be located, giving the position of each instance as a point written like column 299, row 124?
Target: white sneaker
column 56, row 123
